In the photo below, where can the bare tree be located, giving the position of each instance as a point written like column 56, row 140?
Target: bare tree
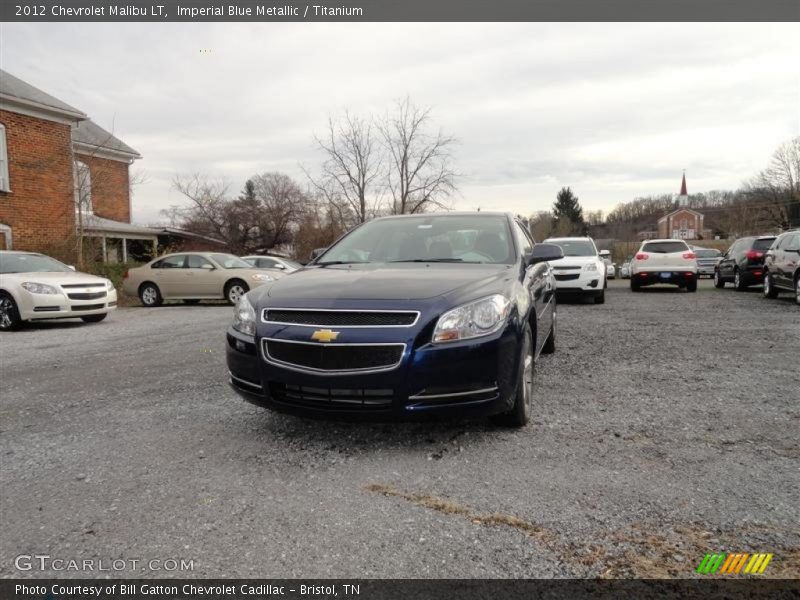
column 208, row 212
column 419, row 173
column 351, row 172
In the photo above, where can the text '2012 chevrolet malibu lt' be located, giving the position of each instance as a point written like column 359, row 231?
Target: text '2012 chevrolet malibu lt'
column 403, row 316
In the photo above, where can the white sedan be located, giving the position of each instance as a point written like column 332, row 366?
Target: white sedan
column 35, row 287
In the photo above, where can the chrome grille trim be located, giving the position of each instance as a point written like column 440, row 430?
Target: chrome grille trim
column 302, row 369
column 264, row 318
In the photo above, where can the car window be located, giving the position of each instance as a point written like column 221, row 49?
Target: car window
column 523, row 240
column 229, row 261
column 195, row 261
column 792, row 242
column 266, row 262
column 665, row 247
column 170, row 262
column 707, row 253
column 763, row 244
column 251, row 261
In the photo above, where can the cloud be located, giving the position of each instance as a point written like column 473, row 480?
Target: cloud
column 613, row 110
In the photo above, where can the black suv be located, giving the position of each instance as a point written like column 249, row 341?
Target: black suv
column 743, row 263
column 782, row 266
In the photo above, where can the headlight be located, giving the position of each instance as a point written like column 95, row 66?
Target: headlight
column 590, row 267
column 244, row 317
column 39, row 288
column 109, row 285
column 475, row 319
column 261, row 277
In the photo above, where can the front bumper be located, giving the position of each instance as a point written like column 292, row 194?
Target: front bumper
column 462, row 379
column 579, row 282
column 39, row 307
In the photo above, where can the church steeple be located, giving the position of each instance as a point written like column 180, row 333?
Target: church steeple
column 683, row 198
column 683, row 185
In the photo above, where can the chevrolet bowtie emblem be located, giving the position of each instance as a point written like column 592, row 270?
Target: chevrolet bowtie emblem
column 324, row 335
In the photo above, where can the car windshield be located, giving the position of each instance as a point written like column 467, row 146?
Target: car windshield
column 575, row 247
column 665, row 247
column 31, row 263
column 426, row 238
column 707, row 253
column 229, row 261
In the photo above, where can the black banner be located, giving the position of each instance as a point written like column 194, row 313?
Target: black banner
column 402, row 10
column 408, row 589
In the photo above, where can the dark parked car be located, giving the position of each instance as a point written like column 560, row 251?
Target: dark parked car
column 403, row 316
column 782, row 266
column 743, row 263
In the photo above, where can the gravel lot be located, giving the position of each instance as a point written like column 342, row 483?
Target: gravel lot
column 667, row 427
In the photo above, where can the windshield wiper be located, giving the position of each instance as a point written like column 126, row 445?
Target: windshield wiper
column 341, row 262
column 426, row 260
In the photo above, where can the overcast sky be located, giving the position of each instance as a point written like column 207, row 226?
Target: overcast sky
column 613, row 110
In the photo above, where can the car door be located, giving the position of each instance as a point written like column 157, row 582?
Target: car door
column 201, row 278
column 169, row 275
column 786, row 257
column 726, row 262
column 537, row 282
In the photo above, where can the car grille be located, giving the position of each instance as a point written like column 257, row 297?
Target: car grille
column 331, row 398
column 87, row 307
column 341, row 318
column 566, row 276
column 87, row 296
column 567, row 267
column 69, row 286
column 334, row 357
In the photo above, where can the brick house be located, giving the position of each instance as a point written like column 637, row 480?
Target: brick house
column 683, row 223
column 52, row 160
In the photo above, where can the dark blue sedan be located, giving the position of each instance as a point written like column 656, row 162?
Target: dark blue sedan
column 403, row 316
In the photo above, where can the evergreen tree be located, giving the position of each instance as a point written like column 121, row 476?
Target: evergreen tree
column 567, row 213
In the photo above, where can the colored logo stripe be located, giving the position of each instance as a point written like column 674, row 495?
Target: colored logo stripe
column 723, row 563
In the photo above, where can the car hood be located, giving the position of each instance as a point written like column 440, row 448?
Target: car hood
column 403, row 281
column 575, row 260
column 52, row 278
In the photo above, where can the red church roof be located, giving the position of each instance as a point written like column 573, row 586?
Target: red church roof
column 683, row 186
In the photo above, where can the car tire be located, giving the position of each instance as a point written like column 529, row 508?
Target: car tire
column 94, row 318
column 719, row 283
column 770, row 291
column 550, row 343
column 150, row 295
column 738, row 282
column 9, row 314
column 635, row 287
column 797, row 288
column 601, row 298
column 235, row 289
column 691, row 286
column 520, row 413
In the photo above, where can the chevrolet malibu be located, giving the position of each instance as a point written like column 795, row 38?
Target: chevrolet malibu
column 403, row 316
column 194, row 276
column 35, row 287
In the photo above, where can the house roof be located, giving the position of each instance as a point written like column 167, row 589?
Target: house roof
column 93, row 137
column 680, row 209
column 99, row 225
column 16, row 94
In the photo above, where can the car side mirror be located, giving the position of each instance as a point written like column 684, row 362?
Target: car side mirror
column 316, row 252
column 71, row 267
column 208, row 267
column 280, row 266
column 545, row 253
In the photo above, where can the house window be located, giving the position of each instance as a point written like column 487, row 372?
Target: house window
column 4, row 183
column 83, row 187
column 684, row 224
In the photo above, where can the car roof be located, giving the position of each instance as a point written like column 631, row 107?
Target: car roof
column 664, row 240
column 454, row 213
column 577, row 237
column 20, row 252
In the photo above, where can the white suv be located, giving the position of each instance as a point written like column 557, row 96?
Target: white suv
column 664, row 261
column 582, row 271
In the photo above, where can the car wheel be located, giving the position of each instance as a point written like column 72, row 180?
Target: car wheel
column 738, row 284
column 9, row 315
column 691, row 286
column 634, row 285
column 150, row 295
column 601, row 298
column 797, row 289
column 94, row 318
column 718, row 281
column 769, row 289
column 234, row 290
column 550, row 343
column 519, row 415
column 191, row 302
